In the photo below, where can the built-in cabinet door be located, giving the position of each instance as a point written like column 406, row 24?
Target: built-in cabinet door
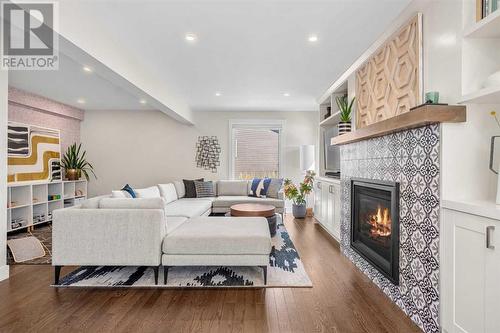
column 317, row 201
column 325, row 188
column 336, row 211
column 470, row 273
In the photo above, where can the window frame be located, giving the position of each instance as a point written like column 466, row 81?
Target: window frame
column 274, row 124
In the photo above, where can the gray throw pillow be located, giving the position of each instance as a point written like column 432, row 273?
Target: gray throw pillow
column 204, row 189
column 274, row 188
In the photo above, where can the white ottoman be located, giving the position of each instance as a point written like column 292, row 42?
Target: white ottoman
column 218, row 241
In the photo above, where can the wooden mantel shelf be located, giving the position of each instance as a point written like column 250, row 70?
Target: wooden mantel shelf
column 418, row 117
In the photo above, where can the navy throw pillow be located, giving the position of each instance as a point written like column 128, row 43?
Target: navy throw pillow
column 259, row 187
column 127, row 188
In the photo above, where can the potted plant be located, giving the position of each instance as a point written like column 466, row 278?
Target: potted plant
column 75, row 163
column 298, row 194
column 345, row 109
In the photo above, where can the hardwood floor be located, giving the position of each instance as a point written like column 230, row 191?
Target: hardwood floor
column 342, row 300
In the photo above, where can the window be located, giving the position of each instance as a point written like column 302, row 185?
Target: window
column 256, row 149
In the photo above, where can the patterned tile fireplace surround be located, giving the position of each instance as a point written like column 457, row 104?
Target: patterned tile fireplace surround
column 411, row 158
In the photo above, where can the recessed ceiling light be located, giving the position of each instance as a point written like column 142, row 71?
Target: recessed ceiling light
column 313, row 38
column 190, row 37
column 286, row 94
column 142, row 101
column 218, row 94
column 87, row 69
column 80, row 101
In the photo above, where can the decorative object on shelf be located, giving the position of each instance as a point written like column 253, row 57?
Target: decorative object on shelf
column 328, row 112
column 208, row 153
column 390, row 82
column 492, row 154
column 432, row 97
column 33, row 153
column 492, row 81
column 75, row 163
column 298, row 195
column 345, row 113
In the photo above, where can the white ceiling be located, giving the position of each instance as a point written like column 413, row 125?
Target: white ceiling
column 71, row 83
column 250, row 51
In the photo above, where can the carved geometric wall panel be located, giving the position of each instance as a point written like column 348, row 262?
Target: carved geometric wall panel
column 390, row 82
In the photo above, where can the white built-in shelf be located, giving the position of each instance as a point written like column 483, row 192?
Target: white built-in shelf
column 489, row 27
column 331, row 121
column 490, row 95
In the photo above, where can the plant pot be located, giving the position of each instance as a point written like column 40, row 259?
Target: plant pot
column 72, row 174
column 344, row 127
column 299, row 211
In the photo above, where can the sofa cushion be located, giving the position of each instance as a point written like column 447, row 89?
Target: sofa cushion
column 190, row 189
column 188, row 207
column 120, row 194
column 228, row 201
column 130, row 203
column 274, row 188
column 168, row 192
column 175, row 221
column 93, row 203
column 259, row 187
column 219, row 236
column 232, row 187
column 148, row 192
column 180, row 189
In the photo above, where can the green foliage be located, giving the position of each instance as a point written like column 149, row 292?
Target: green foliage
column 345, row 108
column 298, row 194
column 74, row 158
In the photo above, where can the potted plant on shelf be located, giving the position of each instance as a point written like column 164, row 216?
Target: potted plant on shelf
column 298, row 194
column 75, row 163
column 345, row 109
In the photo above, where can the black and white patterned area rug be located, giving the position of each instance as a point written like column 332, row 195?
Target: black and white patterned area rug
column 285, row 269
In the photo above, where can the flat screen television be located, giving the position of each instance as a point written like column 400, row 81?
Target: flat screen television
column 331, row 153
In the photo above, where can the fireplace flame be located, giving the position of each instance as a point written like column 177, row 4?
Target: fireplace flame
column 380, row 223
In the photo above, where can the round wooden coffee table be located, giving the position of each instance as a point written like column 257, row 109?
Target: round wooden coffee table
column 252, row 210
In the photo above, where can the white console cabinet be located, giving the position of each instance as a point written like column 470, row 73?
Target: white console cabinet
column 327, row 205
column 470, row 268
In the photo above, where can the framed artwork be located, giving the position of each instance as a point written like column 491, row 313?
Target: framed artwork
column 34, row 153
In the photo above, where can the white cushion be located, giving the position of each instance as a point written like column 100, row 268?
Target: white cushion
column 168, row 192
column 180, row 188
column 131, row 203
column 232, row 187
column 120, row 194
column 220, row 236
column 148, row 192
column 174, row 221
column 228, row 201
column 188, row 207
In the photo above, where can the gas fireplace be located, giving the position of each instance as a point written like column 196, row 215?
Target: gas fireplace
column 375, row 224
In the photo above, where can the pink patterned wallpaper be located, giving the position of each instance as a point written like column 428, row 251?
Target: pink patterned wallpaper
column 32, row 109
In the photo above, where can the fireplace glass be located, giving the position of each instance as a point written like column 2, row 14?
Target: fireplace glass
column 375, row 224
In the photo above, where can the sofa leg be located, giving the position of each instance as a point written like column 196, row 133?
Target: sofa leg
column 165, row 274
column 155, row 270
column 264, row 269
column 57, row 273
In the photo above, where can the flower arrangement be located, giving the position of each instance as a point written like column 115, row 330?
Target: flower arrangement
column 298, row 194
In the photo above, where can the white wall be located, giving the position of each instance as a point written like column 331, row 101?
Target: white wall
column 145, row 147
column 4, row 269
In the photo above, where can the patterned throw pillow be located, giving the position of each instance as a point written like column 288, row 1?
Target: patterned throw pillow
column 259, row 187
column 204, row 189
column 274, row 188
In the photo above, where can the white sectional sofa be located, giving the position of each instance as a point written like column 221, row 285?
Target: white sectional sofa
column 162, row 227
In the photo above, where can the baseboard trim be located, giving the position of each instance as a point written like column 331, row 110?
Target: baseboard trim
column 4, row 272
